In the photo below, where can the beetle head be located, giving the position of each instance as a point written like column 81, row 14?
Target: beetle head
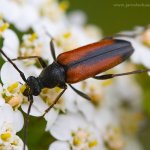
column 33, row 86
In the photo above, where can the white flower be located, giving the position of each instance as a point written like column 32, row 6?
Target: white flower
column 10, row 123
column 27, row 16
column 7, row 7
column 10, row 39
column 53, row 9
column 113, row 138
column 140, row 42
column 76, row 36
column 118, row 92
column 3, row 26
column 35, row 44
column 23, row 16
column 78, row 134
column 104, row 118
column 10, row 44
column 65, row 104
column 77, row 17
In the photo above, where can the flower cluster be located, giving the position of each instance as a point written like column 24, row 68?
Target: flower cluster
column 113, row 118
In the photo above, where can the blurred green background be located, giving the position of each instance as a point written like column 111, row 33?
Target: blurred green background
column 111, row 20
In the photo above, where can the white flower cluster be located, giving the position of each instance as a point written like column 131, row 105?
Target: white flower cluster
column 110, row 122
column 140, row 39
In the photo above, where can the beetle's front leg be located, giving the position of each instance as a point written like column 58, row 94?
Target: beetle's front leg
column 55, row 101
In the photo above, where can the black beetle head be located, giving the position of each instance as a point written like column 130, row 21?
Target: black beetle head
column 33, row 86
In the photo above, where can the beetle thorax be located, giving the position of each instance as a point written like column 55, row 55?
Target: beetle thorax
column 52, row 76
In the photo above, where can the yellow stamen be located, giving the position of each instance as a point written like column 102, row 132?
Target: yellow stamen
column 5, row 136
column 23, row 87
column 64, row 5
column 76, row 141
column 4, row 27
column 107, row 83
column 33, row 37
column 92, row 143
column 67, row 35
column 12, row 87
column 57, row 89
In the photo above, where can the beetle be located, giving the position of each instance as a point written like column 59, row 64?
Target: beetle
column 75, row 66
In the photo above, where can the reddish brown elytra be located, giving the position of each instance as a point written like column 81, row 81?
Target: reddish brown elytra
column 90, row 60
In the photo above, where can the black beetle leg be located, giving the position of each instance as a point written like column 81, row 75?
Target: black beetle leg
column 41, row 61
column 80, row 93
column 55, row 101
column 30, row 99
column 109, row 76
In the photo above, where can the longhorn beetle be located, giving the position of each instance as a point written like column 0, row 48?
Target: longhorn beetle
column 74, row 66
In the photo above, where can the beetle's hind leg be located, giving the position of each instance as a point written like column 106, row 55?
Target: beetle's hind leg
column 40, row 59
column 109, row 76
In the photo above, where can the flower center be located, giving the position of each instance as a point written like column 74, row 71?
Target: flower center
column 5, row 136
column 3, row 25
column 53, row 10
column 31, row 46
column 82, row 139
column 49, row 95
column 13, row 94
column 113, row 139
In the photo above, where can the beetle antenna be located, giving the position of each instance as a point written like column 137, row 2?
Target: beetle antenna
column 30, row 99
column 52, row 48
column 14, row 65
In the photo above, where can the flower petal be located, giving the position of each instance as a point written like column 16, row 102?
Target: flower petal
column 9, row 74
column 65, row 124
column 58, row 145
column 18, row 120
column 51, row 117
column 38, row 107
column 27, row 17
column 10, row 44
